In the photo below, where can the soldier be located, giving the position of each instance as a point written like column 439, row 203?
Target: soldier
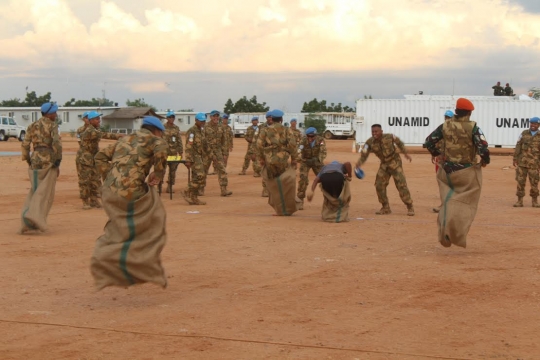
column 384, row 147
column 78, row 155
column 229, row 136
column 250, row 152
column 129, row 251
column 312, row 152
column 89, row 181
column 498, row 90
column 527, row 161
column 460, row 182
column 216, row 146
column 448, row 115
column 508, row 91
column 196, row 155
column 275, row 145
column 261, row 128
column 174, row 140
column 44, row 164
column 82, row 128
column 297, row 133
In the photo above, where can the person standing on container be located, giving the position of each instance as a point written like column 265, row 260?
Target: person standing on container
column 460, row 179
column 527, row 161
column 449, row 114
column 384, row 147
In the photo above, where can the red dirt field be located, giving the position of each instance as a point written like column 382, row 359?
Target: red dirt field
column 244, row 284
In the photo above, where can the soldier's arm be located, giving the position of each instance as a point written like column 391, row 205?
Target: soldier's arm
column 189, row 148
column 259, row 146
column 432, row 140
column 57, row 146
column 364, row 154
column 160, row 158
column 102, row 160
column 231, row 136
column 25, row 146
column 292, row 146
column 481, row 144
column 517, row 151
column 224, row 143
column 400, row 145
column 322, row 152
column 110, row 136
column 180, row 147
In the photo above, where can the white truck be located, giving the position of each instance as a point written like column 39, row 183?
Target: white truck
column 9, row 128
column 412, row 119
column 338, row 124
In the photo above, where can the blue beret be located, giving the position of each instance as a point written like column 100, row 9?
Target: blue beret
column 224, row 116
column 311, row 130
column 535, row 120
column 449, row 113
column 85, row 114
column 276, row 113
column 93, row 115
column 269, row 114
column 294, row 120
column 49, row 108
column 214, row 112
column 170, row 113
column 153, row 121
column 200, row 116
column 254, row 118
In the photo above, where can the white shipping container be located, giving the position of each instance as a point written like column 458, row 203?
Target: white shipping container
column 501, row 118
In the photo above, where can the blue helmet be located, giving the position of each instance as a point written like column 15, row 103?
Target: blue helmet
column 449, row 113
column 200, row 117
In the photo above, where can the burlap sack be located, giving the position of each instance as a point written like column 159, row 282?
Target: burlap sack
column 39, row 200
column 460, row 194
column 129, row 251
column 336, row 209
column 282, row 192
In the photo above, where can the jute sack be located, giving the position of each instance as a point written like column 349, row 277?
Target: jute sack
column 460, row 194
column 336, row 209
column 129, row 251
column 39, row 200
column 282, row 191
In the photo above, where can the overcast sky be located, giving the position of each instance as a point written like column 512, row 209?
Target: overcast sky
column 197, row 54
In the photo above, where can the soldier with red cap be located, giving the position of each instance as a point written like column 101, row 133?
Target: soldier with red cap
column 460, row 183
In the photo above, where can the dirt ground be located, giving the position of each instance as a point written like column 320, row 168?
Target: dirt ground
column 246, row 285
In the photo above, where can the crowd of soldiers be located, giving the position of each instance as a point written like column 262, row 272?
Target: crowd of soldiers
column 498, row 90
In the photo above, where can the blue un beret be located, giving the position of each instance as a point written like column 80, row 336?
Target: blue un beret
column 49, row 108
column 311, row 130
column 254, row 118
column 268, row 114
column 535, row 120
column 93, row 115
column 276, row 113
column 153, row 121
column 85, row 114
column 225, row 116
column 214, row 112
column 449, row 113
column 170, row 113
column 200, row 117
column 294, row 120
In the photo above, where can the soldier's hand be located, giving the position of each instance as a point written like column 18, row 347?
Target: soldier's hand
column 225, row 158
column 29, row 163
column 253, row 158
column 514, row 163
column 408, row 157
column 153, row 180
column 58, row 172
column 188, row 164
column 434, row 160
column 261, row 162
column 310, row 196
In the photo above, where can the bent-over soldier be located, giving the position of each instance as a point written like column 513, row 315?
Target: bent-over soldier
column 312, row 150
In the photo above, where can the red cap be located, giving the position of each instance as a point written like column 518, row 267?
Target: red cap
column 464, row 104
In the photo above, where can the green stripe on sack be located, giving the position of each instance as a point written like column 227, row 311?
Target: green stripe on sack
column 281, row 196
column 127, row 244
column 448, row 196
column 36, row 180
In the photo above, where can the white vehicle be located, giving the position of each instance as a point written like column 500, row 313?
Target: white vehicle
column 338, row 124
column 9, row 128
column 412, row 119
column 241, row 121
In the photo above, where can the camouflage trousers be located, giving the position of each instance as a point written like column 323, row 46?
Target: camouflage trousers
column 256, row 165
column 304, row 180
column 198, row 175
column 89, row 182
column 171, row 177
column 521, row 178
column 219, row 165
column 382, row 180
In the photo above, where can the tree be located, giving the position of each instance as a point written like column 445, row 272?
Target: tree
column 534, row 92
column 315, row 106
column 93, row 102
column 368, row 97
column 316, row 121
column 243, row 105
column 33, row 100
column 15, row 102
column 139, row 103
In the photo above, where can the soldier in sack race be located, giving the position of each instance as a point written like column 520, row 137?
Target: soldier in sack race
column 173, row 138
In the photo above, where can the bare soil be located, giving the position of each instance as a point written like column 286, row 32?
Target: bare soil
column 244, row 284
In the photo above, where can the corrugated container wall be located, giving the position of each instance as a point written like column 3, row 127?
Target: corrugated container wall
column 501, row 119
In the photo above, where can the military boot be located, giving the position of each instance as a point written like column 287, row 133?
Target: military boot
column 410, row 210
column 195, row 200
column 200, row 192
column 186, row 194
column 86, row 204
column 225, row 192
column 300, row 204
column 535, row 202
column 243, row 172
column 257, row 175
column 384, row 210
column 519, row 203
column 160, row 188
column 264, row 193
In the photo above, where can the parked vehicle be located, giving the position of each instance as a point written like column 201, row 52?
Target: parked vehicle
column 9, row 128
column 338, row 124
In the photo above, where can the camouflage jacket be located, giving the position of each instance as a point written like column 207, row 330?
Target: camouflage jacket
column 275, row 145
column 312, row 152
column 229, row 137
column 196, row 147
column 215, row 139
column 89, row 145
column 46, row 144
column 126, row 164
column 527, row 153
column 172, row 136
column 384, row 149
column 298, row 136
column 250, row 133
column 80, row 131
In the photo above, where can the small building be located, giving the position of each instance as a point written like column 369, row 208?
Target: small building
column 128, row 119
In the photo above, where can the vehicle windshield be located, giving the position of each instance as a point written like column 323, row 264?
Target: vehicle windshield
column 12, row 122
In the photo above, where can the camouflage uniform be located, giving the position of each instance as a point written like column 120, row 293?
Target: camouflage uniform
column 195, row 153
column 251, row 137
column 229, row 137
column 126, row 164
column 174, row 140
column 527, row 158
column 78, row 155
column 298, row 136
column 498, row 90
column 216, row 146
column 257, row 168
column 275, row 145
column 45, row 140
column 391, row 166
column 89, row 181
column 312, row 155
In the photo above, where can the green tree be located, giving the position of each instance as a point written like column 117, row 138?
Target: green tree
column 15, row 102
column 315, row 106
column 139, row 103
column 33, row 100
column 244, row 105
column 316, row 121
column 93, row 102
column 229, row 106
